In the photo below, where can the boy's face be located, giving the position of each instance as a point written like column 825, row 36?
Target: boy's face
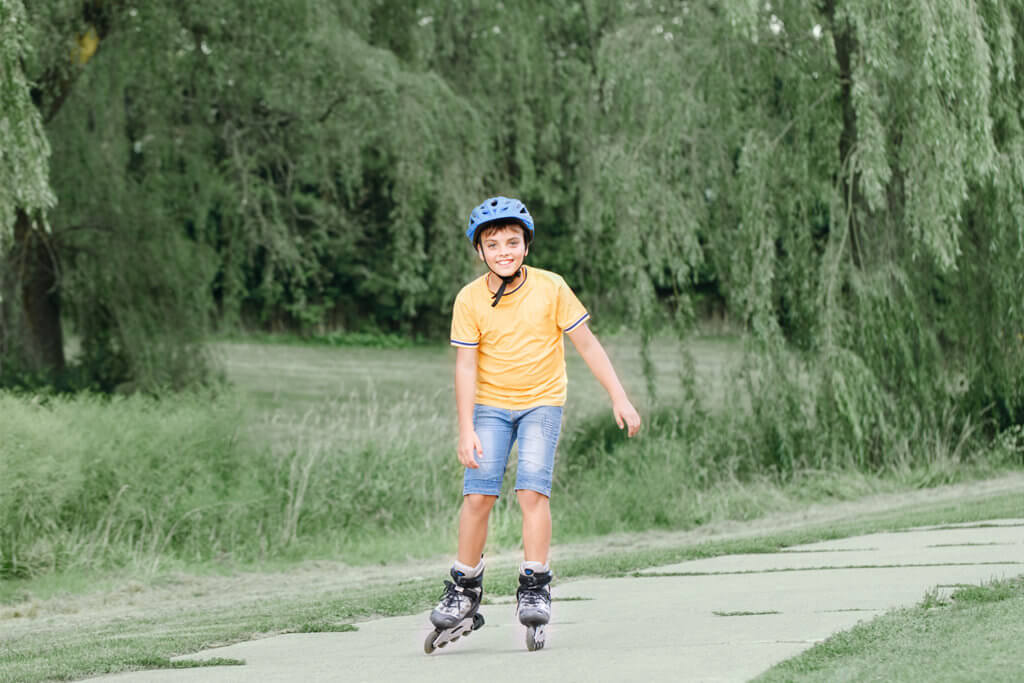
column 503, row 249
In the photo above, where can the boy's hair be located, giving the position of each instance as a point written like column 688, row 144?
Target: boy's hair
column 496, row 226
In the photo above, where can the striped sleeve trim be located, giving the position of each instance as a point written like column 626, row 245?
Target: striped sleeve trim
column 466, row 345
column 577, row 323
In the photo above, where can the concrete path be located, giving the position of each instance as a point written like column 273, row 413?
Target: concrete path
column 726, row 618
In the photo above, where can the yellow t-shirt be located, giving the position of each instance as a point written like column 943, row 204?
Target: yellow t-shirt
column 520, row 355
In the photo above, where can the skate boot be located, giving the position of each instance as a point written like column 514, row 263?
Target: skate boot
column 533, row 602
column 456, row 614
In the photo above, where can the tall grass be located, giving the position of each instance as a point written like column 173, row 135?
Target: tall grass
column 90, row 480
column 350, row 454
column 696, row 466
column 93, row 482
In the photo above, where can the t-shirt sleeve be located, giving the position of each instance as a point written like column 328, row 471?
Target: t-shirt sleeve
column 465, row 331
column 571, row 313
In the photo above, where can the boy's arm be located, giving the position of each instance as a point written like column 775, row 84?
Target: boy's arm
column 598, row 362
column 465, row 396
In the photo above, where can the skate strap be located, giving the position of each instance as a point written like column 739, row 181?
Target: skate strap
column 530, row 579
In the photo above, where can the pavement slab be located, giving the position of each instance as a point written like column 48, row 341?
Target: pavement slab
column 725, row 618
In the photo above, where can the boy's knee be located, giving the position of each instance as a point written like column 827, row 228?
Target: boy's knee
column 478, row 503
column 531, row 500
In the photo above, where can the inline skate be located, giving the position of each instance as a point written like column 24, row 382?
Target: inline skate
column 533, row 604
column 457, row 614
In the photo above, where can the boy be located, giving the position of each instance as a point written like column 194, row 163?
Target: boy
column 510, row 385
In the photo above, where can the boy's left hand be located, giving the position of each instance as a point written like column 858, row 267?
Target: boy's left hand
column 626, row 416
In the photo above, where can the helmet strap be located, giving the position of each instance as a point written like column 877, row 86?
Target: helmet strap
column 506, row 280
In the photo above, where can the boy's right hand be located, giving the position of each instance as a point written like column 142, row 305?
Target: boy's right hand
column 468, row 443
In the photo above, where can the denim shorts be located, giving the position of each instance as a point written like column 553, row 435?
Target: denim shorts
column 536, row 430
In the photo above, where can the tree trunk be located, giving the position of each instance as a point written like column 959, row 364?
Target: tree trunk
column 846, row 46
column 38, row 333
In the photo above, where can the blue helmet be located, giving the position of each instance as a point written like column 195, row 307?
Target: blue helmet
column 499, row 209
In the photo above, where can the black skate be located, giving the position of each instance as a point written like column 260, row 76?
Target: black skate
column 456, row 614
column 533, row 606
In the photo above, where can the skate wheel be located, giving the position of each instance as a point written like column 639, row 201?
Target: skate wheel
column 534, row 638
column 478, row 621
column 428, row 644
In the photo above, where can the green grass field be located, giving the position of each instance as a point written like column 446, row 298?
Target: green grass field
column 975, row 634
column 290, row 382
column 312, row 452
column 333, row 457
column 319, row 452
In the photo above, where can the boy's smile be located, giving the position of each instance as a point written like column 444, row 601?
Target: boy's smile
column 504, row 250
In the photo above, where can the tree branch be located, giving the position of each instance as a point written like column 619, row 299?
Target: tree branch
column 56, row 83
column 330, row 108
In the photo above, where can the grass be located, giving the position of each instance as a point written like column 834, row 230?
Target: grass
column 345, row 454
column 321, row 452
column 745, row 614
column 317, row 452
column 91, row 482
column 68, row 648
column 975, row 634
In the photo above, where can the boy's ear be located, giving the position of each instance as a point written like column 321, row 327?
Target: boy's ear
column 480, row 252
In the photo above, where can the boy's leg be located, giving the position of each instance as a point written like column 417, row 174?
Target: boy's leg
column 537, row 433
column 536, row 525
column 476, row 510
column 482, row 485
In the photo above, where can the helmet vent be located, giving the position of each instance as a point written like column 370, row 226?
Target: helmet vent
column 494, row 202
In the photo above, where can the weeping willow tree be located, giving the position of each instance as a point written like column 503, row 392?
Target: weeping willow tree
column 312, row 185
column 25, row 193
column 877, row 210
column 371, row 162
column 843, row 178
column 24, row 184
column 848, row 177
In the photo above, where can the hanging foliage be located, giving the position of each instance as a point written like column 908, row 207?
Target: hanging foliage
column 24, row 149
column 842, row 178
